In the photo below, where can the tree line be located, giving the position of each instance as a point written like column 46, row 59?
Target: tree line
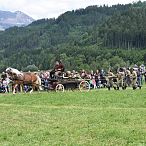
column 90, row 38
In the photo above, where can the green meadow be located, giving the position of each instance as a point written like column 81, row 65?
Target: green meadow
column 73, row 118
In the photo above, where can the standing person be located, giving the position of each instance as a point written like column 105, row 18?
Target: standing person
column 92, row 81
column 142, row 67
column 128, row 77
column 97, row 78
column 46, row 81
column 110, row 79
column 1, row 87
column 8, row 84
column 134, row 78
column 120, row 78
column 102, row 79
column 102, row 72
column 145, row 77
column 5, row 85
column 139, row 77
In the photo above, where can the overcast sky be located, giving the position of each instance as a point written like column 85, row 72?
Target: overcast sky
column 52, row 8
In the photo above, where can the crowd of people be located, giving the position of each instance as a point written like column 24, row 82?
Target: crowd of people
column 124, row 77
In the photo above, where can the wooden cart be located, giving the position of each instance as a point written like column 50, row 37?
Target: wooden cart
column 66, row 84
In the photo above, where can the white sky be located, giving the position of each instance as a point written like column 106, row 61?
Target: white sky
column 53, row 8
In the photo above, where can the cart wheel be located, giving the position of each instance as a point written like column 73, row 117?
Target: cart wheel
column 84, row 86
column 59, row 87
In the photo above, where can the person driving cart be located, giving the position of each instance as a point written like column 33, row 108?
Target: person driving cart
column 58, row 69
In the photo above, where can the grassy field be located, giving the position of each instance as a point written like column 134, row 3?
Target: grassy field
column 96, row 118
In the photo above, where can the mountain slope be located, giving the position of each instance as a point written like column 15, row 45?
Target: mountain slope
column 94, row 37
column 10, row 19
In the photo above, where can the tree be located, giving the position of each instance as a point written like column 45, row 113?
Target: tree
column 31, row 68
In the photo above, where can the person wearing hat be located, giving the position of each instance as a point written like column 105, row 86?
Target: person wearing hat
column 110, row 77
column 128, row 77
column 58, row 69
column 120, row 78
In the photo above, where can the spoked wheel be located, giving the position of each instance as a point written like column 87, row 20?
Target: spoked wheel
column 84, row 86
column 59, row 88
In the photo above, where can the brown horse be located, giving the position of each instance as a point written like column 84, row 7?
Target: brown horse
column 21, row 79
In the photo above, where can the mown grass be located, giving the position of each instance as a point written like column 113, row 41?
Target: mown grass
column 96, row 118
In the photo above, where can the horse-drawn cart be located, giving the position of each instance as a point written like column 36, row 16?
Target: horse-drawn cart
column 66, row 84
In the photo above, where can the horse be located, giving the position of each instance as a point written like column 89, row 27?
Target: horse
column 24, row 78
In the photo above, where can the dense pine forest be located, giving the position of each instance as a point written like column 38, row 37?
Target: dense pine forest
column 90, row 38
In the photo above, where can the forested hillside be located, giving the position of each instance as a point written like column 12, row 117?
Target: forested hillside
column 94, row 37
